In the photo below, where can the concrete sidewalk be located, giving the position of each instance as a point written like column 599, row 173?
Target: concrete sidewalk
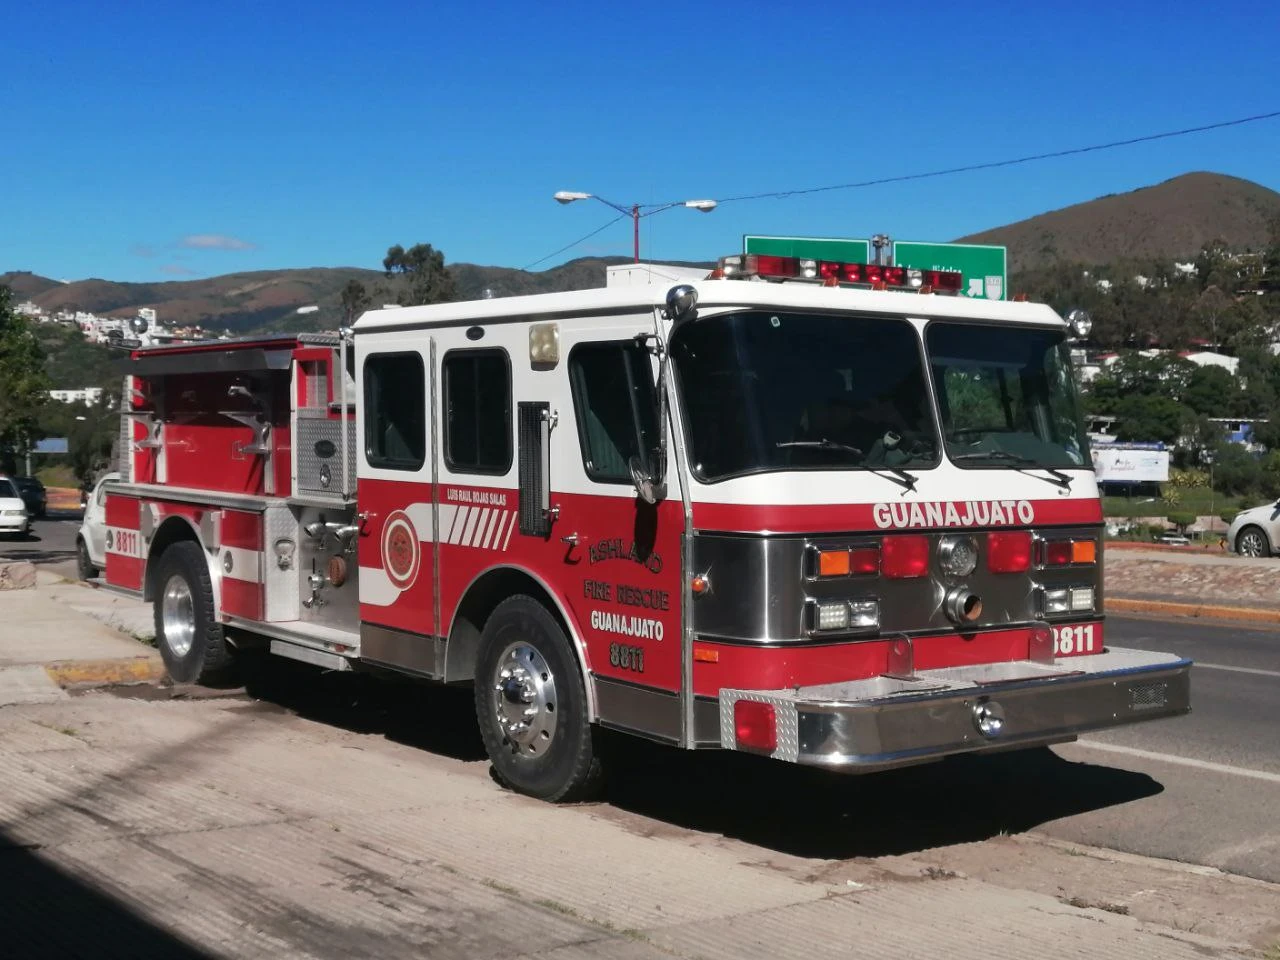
column 1178, row 583
column 65, row 634
column 226, row 828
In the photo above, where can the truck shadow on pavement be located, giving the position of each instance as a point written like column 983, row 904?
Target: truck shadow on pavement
column 48, row 913
column 813, row 813
column 793, row 810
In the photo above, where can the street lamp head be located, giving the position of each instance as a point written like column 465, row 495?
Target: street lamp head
column 706, row 206
column 568, row 196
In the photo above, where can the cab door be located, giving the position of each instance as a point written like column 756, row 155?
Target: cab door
column 396, row 494
column 621, row 556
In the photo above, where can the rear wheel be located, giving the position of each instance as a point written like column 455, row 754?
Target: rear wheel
column 531, row 705
column 188, row 634
column 84, row 563
column 1252, row 542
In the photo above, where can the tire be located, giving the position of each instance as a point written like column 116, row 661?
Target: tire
column 189, row 636
column 1253, row 542
column 84, row 563
column 525, row 663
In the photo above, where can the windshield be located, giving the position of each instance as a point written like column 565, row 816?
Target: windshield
column 1006, row 396
column 7, row 489
column 784, row 391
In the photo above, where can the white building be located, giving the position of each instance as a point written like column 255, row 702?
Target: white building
column 85, row 395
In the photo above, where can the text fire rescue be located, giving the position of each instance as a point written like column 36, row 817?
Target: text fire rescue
column 971, row 513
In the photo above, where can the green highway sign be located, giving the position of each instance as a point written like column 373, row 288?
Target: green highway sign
column 983, row 268
column 809, row 248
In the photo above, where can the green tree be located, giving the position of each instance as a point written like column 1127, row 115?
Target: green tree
column 23, row 384
column 418, row 274
column 1146, row 417
column 1211, row 391
column 1235, row 470
column 355, row 301
column 1181, row 521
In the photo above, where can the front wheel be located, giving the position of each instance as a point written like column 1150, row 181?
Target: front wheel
column 531, row 705
column 188, row 634
column 1252, row 542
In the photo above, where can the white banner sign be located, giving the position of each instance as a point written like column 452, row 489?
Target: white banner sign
column 1130, row 466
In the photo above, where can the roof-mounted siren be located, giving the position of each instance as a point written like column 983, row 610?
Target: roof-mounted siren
column 1080, row 323
column 832, row 273
column 139, row 325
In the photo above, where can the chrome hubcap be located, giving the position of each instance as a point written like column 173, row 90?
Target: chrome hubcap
column 524, row 699
column 1251, row 544
column 178, row 616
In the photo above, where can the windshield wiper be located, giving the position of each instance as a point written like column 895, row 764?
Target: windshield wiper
column 823, row 444
column 905, row 480
column 1057, row 477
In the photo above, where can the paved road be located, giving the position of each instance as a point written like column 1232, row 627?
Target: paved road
column 1212, row 789
column 52, row 543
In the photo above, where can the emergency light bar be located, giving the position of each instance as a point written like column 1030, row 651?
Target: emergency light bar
column 759, row 266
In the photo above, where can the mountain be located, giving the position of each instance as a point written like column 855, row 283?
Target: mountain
column 1173, row 219
column 269, row 299
column 1170, row 220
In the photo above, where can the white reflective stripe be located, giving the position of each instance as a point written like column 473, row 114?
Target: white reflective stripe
column 245, row 564
column 448, row 513
column 482, row 526
column 419, row 515
column 511, row 526
column 473, row 514
column 495, row 530
column 460, row 524
column 1173, row 758
column 124, row 542
column 376, row 588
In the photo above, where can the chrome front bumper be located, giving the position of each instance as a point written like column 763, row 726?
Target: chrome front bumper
column 885, row 722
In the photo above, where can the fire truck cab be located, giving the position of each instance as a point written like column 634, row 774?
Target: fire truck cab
column 792, row 509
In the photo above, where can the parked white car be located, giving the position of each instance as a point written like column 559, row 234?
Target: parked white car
column 14, row 519
column 91, row 541
column 1255, row 532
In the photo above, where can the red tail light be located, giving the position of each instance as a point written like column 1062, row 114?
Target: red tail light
column 903, row 558
column 755, row 726
column 769, row 266
column 864, row 560
column 1057, row 553
column 1008, row 552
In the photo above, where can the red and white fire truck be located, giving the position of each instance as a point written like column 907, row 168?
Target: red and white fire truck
column 829, row 513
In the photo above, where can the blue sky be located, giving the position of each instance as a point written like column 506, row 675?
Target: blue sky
column 153, row 141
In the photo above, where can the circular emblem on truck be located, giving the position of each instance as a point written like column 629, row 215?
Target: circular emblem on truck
column 400, row 550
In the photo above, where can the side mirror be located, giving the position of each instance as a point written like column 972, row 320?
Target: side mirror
column 651, row 488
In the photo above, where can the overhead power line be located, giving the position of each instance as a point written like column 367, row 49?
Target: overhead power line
column 994, row 164
column 949, row 171
column 570, row 246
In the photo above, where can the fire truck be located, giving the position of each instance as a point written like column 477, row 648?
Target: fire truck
column 835, row 514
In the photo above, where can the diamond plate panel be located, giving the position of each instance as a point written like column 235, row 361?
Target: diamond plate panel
column 313, row 431
column 281, row 585
column 784, row 709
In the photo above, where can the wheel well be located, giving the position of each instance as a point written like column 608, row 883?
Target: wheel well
column 480, row 600
column 171, row 531
column 1253, row 526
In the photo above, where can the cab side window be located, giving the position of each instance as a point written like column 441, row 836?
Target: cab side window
column 615, row 402
column 477, row 398
column 395, row 403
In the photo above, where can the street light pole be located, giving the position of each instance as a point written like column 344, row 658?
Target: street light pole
column 635, row 211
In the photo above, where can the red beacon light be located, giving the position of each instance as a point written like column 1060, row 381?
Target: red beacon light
column 831, row 273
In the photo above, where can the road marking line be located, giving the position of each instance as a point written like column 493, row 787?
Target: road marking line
column 1181, row 761
column 1252, row 670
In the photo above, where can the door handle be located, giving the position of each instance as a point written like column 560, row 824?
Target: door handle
column 364, row 516
column 570, row 538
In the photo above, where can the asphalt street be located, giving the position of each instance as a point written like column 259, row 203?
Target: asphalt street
column 52, row 543
column 1214, row 775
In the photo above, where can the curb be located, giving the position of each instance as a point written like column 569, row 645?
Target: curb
column 1208, row 611
column 97, row 673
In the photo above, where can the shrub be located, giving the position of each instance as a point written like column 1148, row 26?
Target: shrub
column 1181, row 520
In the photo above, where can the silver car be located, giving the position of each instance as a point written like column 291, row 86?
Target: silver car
column 1255, row 532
